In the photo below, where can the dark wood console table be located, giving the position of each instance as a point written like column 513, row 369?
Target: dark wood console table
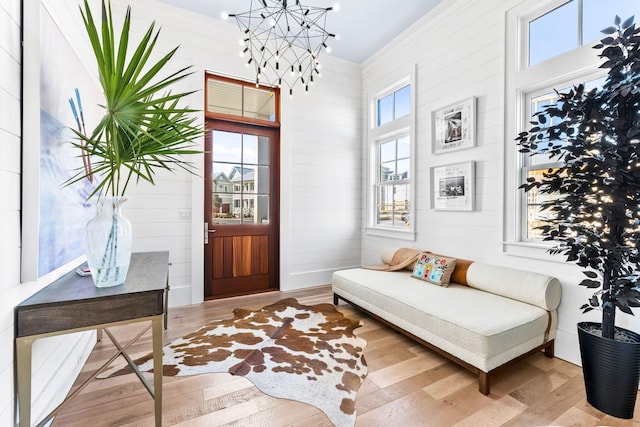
column 73, row 303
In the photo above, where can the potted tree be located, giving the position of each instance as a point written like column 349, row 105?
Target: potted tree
column 143, row 129
column 593, row 212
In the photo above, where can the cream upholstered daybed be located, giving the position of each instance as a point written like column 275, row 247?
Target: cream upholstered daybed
column 486, row 317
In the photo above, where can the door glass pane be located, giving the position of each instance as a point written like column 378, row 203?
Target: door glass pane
column 236, row 176
column 227, row 147
column 262, row 209
column 240, row 172
column 248, row 206
column 261, row 180
column 221, row 173
column 554, row 33
column 255, row 150
column 256, row 180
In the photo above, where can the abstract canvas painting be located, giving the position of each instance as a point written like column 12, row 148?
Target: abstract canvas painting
column 63, row 210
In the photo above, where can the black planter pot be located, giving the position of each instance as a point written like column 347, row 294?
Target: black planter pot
column 611, row 370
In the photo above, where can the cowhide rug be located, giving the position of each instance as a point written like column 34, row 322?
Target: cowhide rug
column 286, row 349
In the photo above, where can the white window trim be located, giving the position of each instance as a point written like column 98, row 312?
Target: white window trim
column 575, row 66
column 402, row 126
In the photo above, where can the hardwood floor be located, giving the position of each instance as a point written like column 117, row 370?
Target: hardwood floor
column 407, row 385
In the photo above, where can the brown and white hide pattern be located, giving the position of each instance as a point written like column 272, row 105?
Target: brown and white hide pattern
column 287, row 350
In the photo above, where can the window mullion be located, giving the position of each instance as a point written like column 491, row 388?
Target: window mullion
column 580, row 21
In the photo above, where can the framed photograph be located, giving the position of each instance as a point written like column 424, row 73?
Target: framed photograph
column 454, row 126
column 453, row 187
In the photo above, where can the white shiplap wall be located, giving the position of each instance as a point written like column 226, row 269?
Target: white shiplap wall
column 321, row 197
column 9, row 194
column 320, row 180
column 459, row 51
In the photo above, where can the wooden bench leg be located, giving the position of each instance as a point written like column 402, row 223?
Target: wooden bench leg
column 483, row 383
column 549, row 350
column 335, row 299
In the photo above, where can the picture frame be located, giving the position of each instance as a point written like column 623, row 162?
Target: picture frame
column 453, row 187
column 454, row 127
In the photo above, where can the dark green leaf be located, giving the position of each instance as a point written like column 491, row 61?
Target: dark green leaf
column 591, row 284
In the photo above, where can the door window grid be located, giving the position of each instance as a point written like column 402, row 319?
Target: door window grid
column 241, row 160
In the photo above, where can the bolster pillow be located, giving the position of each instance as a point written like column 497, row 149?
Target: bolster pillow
column 386, row 254
column 526, row 286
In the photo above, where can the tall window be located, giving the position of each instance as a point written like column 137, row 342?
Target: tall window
column 390, row 149
column 533, row 166
column 549, row 48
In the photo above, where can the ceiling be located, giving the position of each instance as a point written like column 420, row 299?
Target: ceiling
column 364, row 26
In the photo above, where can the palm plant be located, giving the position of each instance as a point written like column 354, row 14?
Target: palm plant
column 595, row 215
column 143, row 128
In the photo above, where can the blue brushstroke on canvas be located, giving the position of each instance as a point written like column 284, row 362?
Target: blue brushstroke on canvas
column 64, row 211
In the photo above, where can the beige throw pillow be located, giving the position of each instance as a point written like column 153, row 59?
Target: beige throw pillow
column 434, row 268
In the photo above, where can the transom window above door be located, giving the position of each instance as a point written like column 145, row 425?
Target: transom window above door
column 237, row 99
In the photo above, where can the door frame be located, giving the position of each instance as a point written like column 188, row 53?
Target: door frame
column 195, row 294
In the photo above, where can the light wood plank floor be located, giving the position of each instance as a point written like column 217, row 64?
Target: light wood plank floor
column 407, row 385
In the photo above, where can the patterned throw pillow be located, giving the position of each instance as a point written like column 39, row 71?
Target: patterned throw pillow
column 434, row 268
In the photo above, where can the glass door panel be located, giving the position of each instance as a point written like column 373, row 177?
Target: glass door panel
column 240, row 175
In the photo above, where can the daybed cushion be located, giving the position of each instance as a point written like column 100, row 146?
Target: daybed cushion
column 481, row 328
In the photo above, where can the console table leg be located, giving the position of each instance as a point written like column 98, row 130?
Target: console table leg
column 156, row 326
column 23, row 365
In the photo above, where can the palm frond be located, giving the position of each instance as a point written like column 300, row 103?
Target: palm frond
column 143, row 128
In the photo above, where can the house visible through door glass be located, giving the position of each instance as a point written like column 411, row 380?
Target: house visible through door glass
column 240, row 173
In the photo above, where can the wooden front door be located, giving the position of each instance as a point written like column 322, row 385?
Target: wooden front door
column 241, row 209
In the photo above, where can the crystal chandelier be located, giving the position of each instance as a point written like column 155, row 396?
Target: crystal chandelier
column 283, row 41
